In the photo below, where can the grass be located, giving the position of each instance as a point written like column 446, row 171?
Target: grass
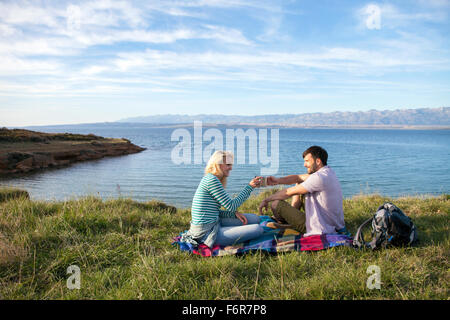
column 7, row 193
column 123, row 251
column 22, row 135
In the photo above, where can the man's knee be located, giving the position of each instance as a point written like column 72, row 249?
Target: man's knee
column 292, row 216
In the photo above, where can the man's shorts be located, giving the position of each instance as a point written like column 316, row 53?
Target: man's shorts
column 284, row 212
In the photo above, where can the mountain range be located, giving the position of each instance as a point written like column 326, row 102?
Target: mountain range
column 400, row 117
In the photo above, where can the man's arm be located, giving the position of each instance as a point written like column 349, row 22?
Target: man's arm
column 291, row 179
column 287, row 193
column 282, row 195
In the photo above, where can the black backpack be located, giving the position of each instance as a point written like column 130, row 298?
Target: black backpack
column 390, row 227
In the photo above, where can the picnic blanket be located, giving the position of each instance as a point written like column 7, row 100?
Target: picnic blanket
column 273, row 240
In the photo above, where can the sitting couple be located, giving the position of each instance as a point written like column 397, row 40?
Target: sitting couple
column 322, row 202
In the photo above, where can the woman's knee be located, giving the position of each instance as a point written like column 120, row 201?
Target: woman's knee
column 233, row 235
column 255, row 227
column 252, row 218
column 252, row 231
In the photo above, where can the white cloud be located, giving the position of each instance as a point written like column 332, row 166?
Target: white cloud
column 13, row 66
column 31, row 30
column 8, row 31
column 222, row 34
column 102, row 13
column 29, row 46
column 227, row 35
column 21, row 13
column 347, row 60
column 107, row 13
column 92, row 70
column 218, row 3
column 83, row 48
column 73, row 17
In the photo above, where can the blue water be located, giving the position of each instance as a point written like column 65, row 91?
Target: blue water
column 389, row 162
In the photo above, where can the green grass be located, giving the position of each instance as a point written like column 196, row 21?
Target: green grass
column 123, row 251
column 22, row 135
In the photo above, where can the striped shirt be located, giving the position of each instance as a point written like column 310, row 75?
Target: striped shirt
column 210, row 197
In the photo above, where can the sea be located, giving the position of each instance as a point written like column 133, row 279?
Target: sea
column 389, row 162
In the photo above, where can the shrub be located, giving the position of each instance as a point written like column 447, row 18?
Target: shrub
column 12, row 193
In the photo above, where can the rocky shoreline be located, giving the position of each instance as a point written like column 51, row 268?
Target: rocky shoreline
column 23, row 151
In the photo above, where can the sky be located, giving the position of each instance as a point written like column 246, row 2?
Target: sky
column 73, row 62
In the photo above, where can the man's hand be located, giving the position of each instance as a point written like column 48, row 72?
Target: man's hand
column 241, row 217
column 272, row 181
column 264, row 204
column 282, row 195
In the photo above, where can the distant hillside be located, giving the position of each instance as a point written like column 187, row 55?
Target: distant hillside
column 406, row 117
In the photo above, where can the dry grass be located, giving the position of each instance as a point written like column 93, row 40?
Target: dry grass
column 10, row 253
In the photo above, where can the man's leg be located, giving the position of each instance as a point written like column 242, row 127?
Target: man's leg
column 286, row 213
column 278, row 218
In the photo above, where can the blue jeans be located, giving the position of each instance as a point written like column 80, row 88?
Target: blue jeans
column 232, row 230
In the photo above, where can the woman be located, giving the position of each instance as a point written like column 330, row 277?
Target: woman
column 211, row 225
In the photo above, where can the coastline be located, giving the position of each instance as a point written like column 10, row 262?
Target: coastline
column 23, row 151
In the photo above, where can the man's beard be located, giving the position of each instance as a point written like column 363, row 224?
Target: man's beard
column 313, row 168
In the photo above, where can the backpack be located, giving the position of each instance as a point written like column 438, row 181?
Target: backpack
column 390, row 227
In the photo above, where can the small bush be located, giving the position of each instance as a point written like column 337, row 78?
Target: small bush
column 12, row 193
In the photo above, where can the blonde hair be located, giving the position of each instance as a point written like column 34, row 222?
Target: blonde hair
column 217, row 158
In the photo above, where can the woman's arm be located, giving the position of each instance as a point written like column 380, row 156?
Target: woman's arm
column 216, row 190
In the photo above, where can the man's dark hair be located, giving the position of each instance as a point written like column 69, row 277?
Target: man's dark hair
column 317, row 153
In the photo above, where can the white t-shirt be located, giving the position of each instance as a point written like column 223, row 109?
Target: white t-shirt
column 323, row 202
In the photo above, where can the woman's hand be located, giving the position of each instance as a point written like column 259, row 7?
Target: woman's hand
column 241, row 217
column 256, row 182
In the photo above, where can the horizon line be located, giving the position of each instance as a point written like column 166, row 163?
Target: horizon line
column 123, row 120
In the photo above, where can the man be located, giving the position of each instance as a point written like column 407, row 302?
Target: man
column 322, row 193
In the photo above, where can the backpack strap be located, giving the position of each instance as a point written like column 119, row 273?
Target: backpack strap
column 358, row 240
column 373, row 243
